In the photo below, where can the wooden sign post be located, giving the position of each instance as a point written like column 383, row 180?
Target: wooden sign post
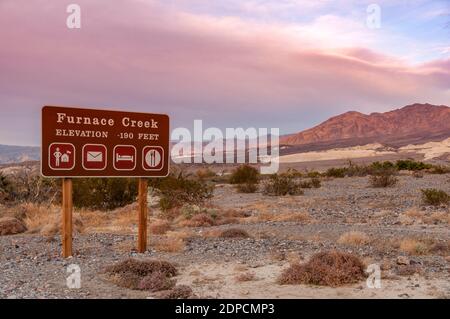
column 105, row 144
column 66, row 231
column 142, row 237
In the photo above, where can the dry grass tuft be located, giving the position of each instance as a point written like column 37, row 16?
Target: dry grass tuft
column 11, row 226
column 46, row 220
column 299, row 217
column 407, row 270
column 234, row 233
column 325, row 269
column 179, row 292
column 354, row 238
column 246, row 276
column 168, row 244
column 159, row 227
column 413, row 246
column 199, row 220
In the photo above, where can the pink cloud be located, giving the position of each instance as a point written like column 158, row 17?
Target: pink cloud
column 148, row 56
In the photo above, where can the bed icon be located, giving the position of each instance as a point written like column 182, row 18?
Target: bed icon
column 124, row 157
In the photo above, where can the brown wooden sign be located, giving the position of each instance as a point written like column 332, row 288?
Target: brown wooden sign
column 98, row 143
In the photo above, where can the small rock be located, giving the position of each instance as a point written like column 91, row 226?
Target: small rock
column 403, row 260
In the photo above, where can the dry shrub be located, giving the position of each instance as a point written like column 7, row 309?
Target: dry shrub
column 199, row 220
column 234, row 233
column 168, row 245
column 11, row 226
column 417, row 174
column 181, row 234
column 179, row 292
column 413, row 246
column 179, row 189
column 407, row 270
column 300, row 217
column 440, row 248
column 131, row 273
column 213, row 233
column 159, row 227
column 438, row 217
column 386, row 179
column 354, row 238
column 233, row 213
column 246, row 276
column 156, row 281
column 435, row 197
column 247, row 188
column 46, row 220
column 127, row 280
column 244, row 174
column 143, row 268
column 325, row 269
column 282, row 185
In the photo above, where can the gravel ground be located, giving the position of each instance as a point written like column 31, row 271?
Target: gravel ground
column 31, row 266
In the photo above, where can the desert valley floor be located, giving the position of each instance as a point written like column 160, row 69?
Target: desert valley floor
column 282, row 230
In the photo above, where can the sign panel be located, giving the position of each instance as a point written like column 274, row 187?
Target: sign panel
column 97, row 143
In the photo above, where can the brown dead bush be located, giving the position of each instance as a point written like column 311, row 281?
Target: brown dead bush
column 179, row 292
column 407, row 270
column 143, row 268
column 156, row 281
column 199, row 220
column 326, row 269
column 159, row 227
column 354, row 238
column 127, row 280
column 440, row 248
column 131, row 274
column 413, row 246
column 246, row 276
column 234, row 233
column 11, row 226
column 168, row 244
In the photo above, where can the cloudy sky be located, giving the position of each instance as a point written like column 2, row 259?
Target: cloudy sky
column 249, row 63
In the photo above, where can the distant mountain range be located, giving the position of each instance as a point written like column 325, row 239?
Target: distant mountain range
column 18, row 154
column 412, row 124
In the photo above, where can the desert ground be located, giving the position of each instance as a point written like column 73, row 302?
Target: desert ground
column 390, row 227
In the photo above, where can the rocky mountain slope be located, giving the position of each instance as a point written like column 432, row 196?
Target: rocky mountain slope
column 416, row 123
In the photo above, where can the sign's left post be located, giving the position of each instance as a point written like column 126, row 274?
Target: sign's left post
column 67, row 208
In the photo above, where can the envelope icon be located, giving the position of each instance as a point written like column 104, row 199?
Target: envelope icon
column 95, row 156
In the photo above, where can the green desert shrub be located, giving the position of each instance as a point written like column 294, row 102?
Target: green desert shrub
column 281, row 185
column 246, row 179
column 311, row 183
column 179, row 189
column 411, row 165
column 104, row 194
column 244, row 174
column 435, row 197
column 378, row 168
column 313, row 174
column 336, row 172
